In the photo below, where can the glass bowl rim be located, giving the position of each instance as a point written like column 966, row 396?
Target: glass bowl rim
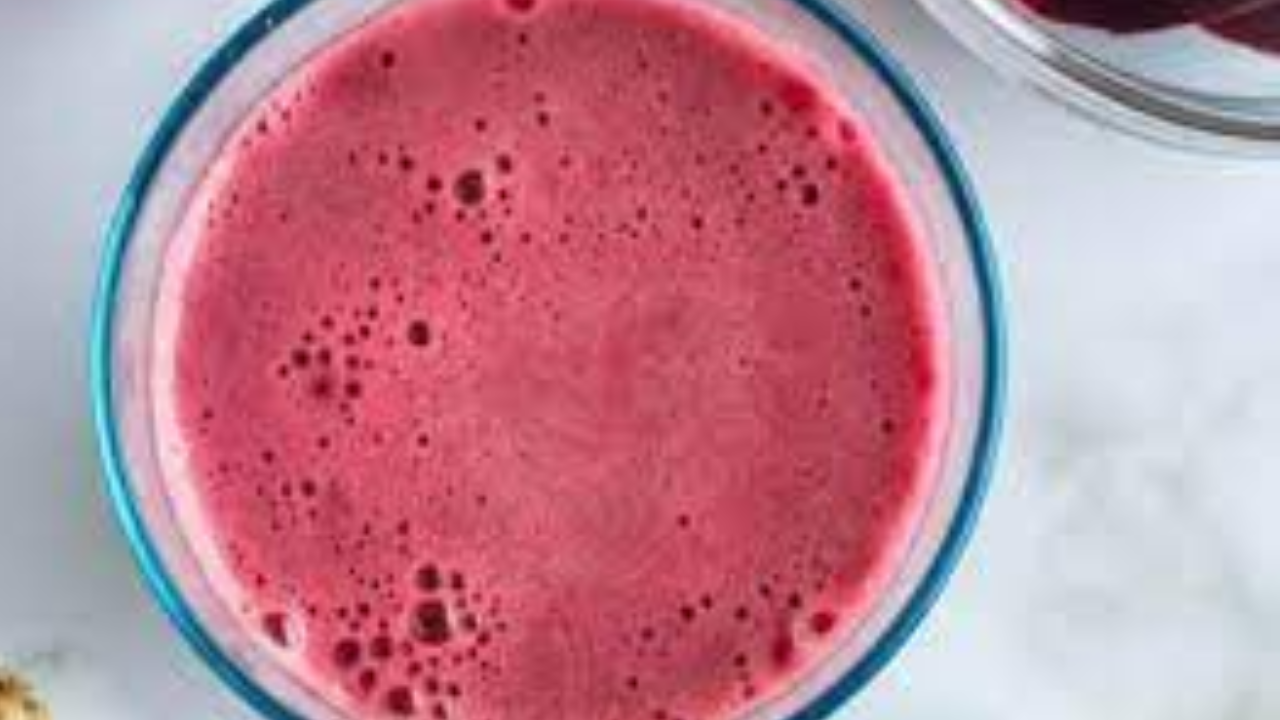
column 119, row 485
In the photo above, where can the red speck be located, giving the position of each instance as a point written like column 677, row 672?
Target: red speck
column 400, row 701
column 822, row 622
column 798, row 95
column 783, row 651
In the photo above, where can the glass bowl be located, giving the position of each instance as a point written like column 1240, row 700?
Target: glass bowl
column 281, row 36
column 1212, row 86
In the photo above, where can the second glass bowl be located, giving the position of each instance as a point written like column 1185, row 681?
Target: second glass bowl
column 1146, row 66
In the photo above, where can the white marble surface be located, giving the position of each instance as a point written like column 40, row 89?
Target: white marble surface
column 1129, row 563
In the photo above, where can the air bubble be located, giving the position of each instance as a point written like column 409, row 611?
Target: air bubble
column 430, row 623
column 281, row 629
column 346, row 653
column 783, row 650
column 419, row 333
column 822, row 622
column 368, row 680
column 810, row 194
column 382, row 647
column 428, row 578
column 469, row 623
column 400, row 701
column 469, row 187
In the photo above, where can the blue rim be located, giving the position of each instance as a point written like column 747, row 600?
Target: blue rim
column 211, row 74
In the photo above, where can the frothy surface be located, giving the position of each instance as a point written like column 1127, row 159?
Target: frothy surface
column 556, row 359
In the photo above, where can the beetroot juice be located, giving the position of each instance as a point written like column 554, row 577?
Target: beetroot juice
column 551, row 360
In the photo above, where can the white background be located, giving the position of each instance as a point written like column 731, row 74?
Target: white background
column 1129, row 563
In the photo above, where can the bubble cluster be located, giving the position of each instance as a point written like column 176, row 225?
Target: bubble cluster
column 413, row 652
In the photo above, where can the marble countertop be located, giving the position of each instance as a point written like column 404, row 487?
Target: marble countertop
column 1129, row 562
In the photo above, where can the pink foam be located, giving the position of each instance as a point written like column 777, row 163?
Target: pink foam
column 568, row 359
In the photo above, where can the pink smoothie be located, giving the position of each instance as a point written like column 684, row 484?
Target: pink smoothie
column 551, row 360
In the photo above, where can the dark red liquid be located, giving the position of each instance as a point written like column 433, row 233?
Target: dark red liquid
column 568, row 361
column 1259, row 29
column 1251, row 22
